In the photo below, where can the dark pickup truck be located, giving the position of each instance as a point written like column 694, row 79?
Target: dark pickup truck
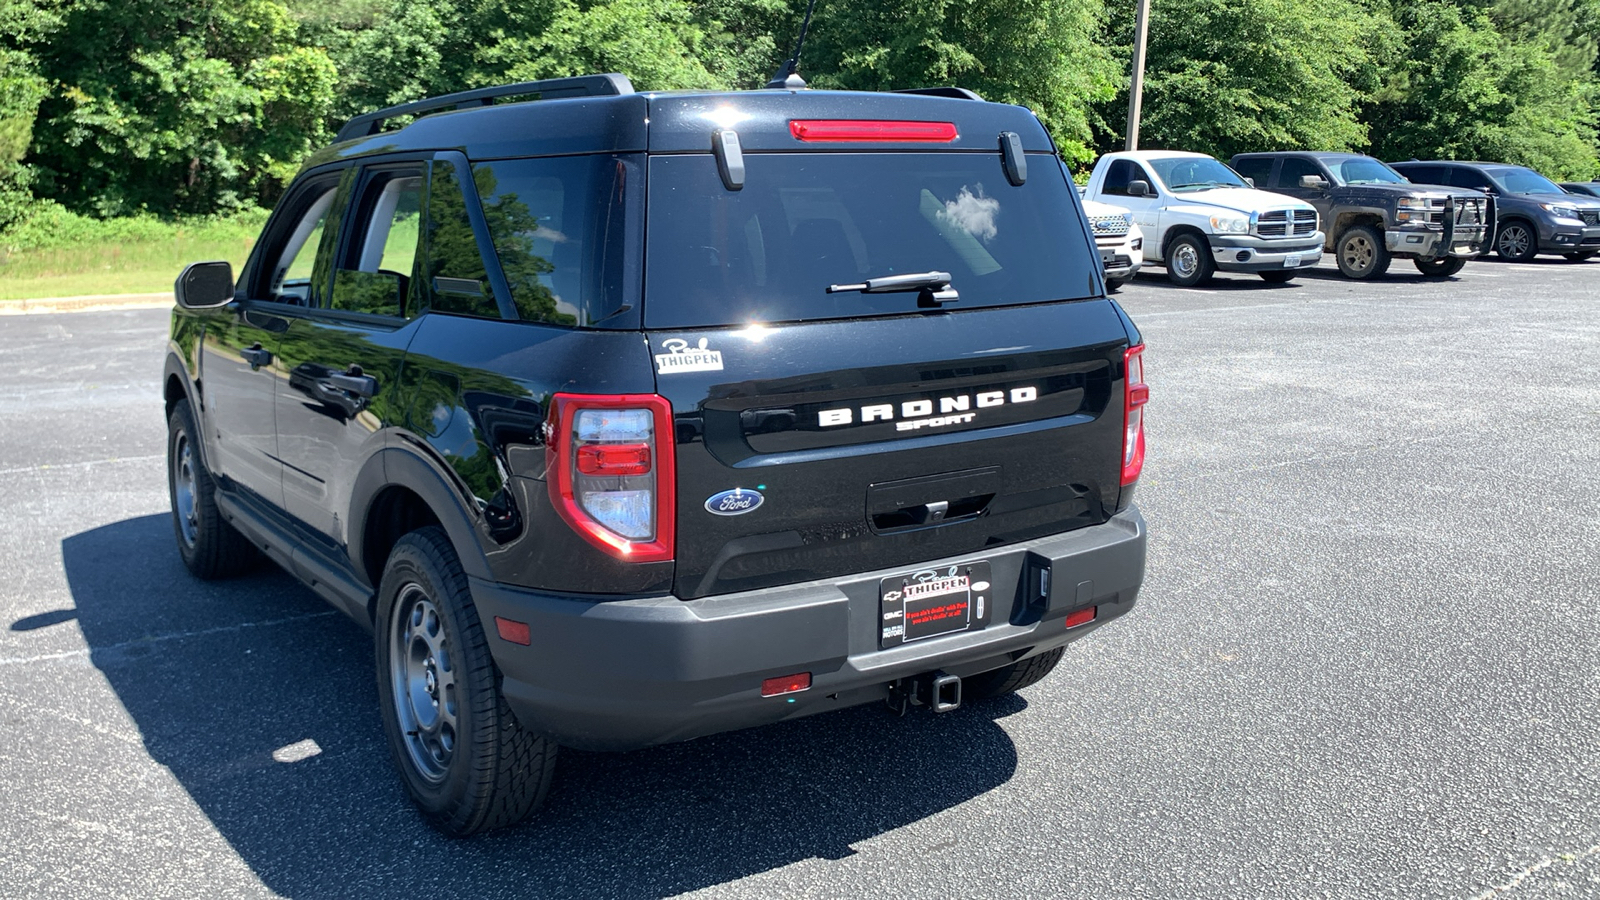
column 627, row 418
column 1372, row 214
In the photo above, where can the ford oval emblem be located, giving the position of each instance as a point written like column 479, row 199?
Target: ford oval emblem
column 736, row 502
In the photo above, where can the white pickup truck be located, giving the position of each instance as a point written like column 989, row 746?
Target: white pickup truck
column 1199, row 216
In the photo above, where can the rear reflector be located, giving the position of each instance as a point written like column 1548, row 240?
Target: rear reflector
column 872, row 130
column 786, row 684
column 1135, row 395
column 515, row 632
column 614, row 459
column 1081, row 616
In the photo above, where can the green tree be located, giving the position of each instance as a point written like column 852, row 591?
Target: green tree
column 23, row 24
column 1037, row 53
column 1223, row 77
column 177, row 107
column 1468, row 91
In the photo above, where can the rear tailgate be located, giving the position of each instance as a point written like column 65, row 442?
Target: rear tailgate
column 882, row 442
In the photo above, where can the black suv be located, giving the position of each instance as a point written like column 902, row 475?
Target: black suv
column 627, row 418
column 1533, row 214
column 1372, row 214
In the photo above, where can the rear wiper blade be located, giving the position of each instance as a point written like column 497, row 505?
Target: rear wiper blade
column 933, row 286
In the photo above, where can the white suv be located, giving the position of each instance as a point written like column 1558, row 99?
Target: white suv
column 1121, row 242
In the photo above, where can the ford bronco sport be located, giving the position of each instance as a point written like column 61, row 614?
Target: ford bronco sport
column 626, row 418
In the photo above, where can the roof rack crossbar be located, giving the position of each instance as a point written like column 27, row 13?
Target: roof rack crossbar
column 610, row 84
column 957, row 93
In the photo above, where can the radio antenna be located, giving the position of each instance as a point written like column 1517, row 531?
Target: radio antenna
column 788, row 76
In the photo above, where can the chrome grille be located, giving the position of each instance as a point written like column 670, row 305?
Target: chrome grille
column 1273, row 223
column 1109, row 226
column 1286, row 222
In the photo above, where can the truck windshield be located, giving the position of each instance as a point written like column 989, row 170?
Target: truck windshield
column 1517, row 180
column 769, row 251
column 1195, row 173
column 1364, row 170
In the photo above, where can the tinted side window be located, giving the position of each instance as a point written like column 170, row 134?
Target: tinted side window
column 1255, row 168
column 458, row 281
column 1293, row 168
column 557, row 226
column 299, row 237
column 1461, row 176
column 1120, row 173
column 1422, row 174
column 377, row 270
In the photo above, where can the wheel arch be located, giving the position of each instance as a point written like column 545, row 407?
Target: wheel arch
column 396, row 493
column 1178, row 231
column 1350, row 218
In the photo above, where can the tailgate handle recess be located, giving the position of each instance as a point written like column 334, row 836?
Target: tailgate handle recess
column 931, row 500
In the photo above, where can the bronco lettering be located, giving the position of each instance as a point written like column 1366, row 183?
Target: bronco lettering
column 916, row 414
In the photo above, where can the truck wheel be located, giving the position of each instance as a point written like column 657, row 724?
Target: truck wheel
column 1115, row 284
column 1189, row 262
column 1580, row 256
column 1012, row 678
column 465, row 761
column 210, row 547
column 1439, row 266
column 1361, row 253
column 1516, row 242
column 1278, row 276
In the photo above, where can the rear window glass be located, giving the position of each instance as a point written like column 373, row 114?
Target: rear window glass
column 805, row 221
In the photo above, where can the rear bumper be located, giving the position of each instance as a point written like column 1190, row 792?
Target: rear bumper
column 622, row 674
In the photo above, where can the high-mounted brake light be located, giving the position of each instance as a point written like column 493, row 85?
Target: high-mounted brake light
column 611, row 471
column 872, row 130
column 1135, row 395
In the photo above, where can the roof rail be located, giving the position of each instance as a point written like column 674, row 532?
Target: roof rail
column 957, row 93
column 611, row 84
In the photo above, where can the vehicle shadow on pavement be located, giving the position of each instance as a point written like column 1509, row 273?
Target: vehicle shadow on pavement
column 261, row 702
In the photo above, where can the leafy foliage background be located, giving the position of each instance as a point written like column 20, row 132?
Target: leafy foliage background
column 115, row 108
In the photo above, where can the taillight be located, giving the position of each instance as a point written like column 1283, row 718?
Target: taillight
column 610, row 470
column 1135, row 394
column 872, row 130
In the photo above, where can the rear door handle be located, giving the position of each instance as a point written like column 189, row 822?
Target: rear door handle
column 256, row 356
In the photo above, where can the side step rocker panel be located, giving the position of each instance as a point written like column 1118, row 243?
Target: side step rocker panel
column 328, row 576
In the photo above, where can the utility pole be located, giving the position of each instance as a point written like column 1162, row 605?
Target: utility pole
column 1136, row 87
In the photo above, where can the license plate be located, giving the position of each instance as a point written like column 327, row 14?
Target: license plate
column 1291, row 261
column 931, row 602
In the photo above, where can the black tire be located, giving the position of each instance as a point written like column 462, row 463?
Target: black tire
column 1361, row 253
column 1580, row 256
column 1115, row 284
column 210, row 546
column 1010, row 679
column 466, row 762
column 1515, row 240
column 1278, row 276
column 1439, row 266
column 1189, row 262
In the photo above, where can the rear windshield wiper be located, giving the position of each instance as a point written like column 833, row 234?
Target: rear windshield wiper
column 933, row 287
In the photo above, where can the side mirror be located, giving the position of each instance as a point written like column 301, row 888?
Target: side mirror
column 1138, row 188
column 1313, row 182
column 203, row 285
column 1250, row 181
column 1488, row 189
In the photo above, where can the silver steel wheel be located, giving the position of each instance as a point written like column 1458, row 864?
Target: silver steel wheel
column 423, row 678
column 1357, row 252
column 183, row 488
column 1185, row 259
column 1514, row 241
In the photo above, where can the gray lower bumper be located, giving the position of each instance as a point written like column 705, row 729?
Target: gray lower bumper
column 1568, row 240
column 1252, row 254
column 623, row 674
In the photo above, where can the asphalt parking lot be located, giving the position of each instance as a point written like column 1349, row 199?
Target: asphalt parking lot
column 1364, row 662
